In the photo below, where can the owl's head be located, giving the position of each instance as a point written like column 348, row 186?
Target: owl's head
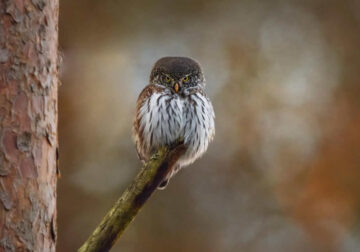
column 180, row 74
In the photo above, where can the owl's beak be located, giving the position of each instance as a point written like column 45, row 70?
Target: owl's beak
column 176, row 87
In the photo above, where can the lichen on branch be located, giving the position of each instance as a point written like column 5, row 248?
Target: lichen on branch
column 133, row 198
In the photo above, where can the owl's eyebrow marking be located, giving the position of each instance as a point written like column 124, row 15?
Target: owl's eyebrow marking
column 182, row 76
column 167, row 75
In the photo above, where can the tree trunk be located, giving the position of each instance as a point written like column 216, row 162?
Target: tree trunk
column 28, row 124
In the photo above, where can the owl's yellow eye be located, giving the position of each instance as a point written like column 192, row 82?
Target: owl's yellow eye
column 167, row 79
column 186, row 79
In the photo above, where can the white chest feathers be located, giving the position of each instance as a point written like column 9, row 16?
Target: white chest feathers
column 163, row 118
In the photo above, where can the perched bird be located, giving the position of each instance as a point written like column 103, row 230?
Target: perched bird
column 172, row 106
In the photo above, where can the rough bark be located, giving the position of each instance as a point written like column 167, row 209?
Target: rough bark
column 28, row 124
column 131, row 201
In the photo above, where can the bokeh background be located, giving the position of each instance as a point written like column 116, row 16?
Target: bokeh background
column 283, row 173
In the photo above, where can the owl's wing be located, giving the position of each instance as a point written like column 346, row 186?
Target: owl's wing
column 138, row 131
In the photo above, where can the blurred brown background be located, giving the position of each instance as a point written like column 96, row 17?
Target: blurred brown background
column 284, row 76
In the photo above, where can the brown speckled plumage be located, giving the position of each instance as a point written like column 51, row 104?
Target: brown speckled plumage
column 174, row 105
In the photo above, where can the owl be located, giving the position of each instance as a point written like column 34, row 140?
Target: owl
column 174, row 105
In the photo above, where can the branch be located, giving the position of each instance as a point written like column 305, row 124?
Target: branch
column 134, row 197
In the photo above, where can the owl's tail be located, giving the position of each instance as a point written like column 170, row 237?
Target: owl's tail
column 165, row 182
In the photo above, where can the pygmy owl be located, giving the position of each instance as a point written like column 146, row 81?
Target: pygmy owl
column 174, row 105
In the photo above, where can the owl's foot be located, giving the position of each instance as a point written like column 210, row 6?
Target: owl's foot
column 163, row 184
